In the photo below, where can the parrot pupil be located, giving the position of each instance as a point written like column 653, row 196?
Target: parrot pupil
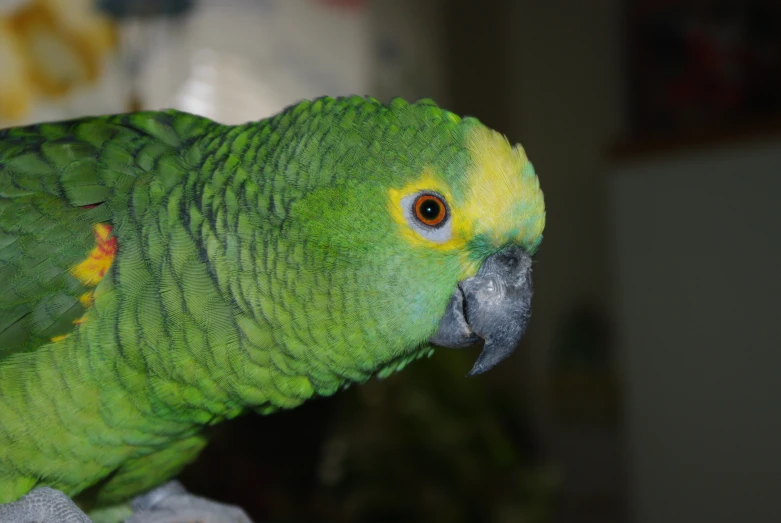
column 431, row 210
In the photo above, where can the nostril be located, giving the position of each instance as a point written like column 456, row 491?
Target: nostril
column 511, row 257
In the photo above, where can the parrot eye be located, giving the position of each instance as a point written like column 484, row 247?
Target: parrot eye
column 430, row 209
column 428, row 214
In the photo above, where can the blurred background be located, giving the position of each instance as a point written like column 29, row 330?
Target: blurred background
column 647, row 388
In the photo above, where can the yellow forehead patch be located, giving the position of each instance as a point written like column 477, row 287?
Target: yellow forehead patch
column 503, row 194
column 500, row 199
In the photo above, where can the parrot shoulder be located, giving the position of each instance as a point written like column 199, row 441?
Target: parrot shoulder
column 63, row 187
column 55, row 230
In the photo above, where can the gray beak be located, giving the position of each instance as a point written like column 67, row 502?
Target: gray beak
column 494, row 305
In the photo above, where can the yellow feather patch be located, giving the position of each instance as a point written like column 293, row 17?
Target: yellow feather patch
column 94, row 267
column 496, row 184
column 87, row 299
column 92, row 270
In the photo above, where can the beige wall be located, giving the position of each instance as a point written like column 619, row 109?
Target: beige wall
column 699, row 301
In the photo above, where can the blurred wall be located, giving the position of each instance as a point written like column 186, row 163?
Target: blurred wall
column 549, row 75
column 568, row 98
column 697, row 252
column 241, row 60
column 408, row 43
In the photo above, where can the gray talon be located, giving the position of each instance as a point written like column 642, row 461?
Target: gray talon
column 171, row 503
column 43, row 505
column 149, row 500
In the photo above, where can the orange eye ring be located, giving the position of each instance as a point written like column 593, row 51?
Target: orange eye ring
column 430, row 209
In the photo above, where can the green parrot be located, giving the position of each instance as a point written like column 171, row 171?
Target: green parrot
column 161, row 272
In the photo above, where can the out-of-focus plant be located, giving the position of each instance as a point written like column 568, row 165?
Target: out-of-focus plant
column 427, row 444
column 433, row 445
column 584, row 387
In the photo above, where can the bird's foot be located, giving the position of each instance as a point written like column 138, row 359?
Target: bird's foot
column 171, row 503
column 43, row 505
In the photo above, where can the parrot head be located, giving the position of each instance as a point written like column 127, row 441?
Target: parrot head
column 418, row 231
